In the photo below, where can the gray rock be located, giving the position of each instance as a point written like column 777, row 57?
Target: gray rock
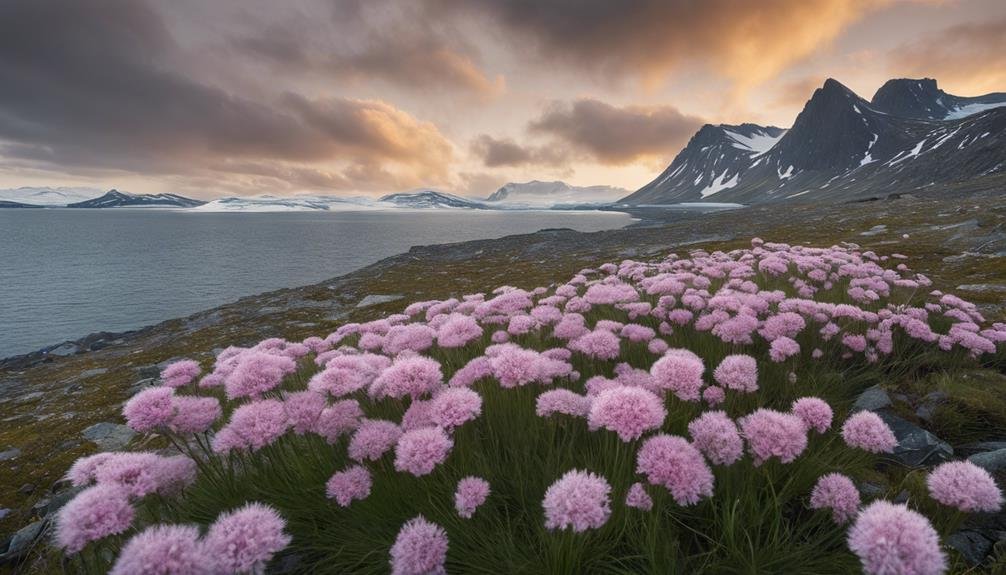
column 9, row 454
column 109, row 436
column 56, row 501
column 997, row 288
column 872, row 399
column 981, row 446
column 875, row 230
column 145, row 383
column 92, row 372
column 4, row 512
column 972, row 545
column 991, row 461
column 27, row 489
column 378, row 299
column 22, row 540
column 871, row 490
column 916, row 446
column 29, row 397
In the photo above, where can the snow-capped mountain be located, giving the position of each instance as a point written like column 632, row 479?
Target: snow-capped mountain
column 117, row 199
column 547, row 194
column 427, row 199
column 842, row 147
column 45, row 196
column 268, row 203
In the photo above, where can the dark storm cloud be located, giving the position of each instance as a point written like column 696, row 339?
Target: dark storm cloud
column 747, row 41
column 614, row 135
column 100, row 83
column 498, row 152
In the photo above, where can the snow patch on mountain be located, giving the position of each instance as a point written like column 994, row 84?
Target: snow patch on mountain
column 46, row 196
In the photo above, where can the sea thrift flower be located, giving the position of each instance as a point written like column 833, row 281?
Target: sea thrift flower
column 256, row 373
column 349, row 484
column 628, row 411
column 454, row 407
column 770, row 433
column 737, row 372
column 714, row 395
column 180, row 373
column 637, row 333
column 562, row 401
column 457, row 331
column 599, row 344
column 245, row 540
column 417, row 415
column 965, row 486
column 82, row 471
column 194, row 414
column 253, row 426
column 638, row 498
column 671, row 461
column 373, row 439
column 892, row 539
column 338, row 419
column 815, row 413
column 657, row 346
column 138, row 473
column 470, row 495
column 411, row 337
column 716, row 436
column 408, row 377
column 680, row 372
column 419, row 549
column 474, row 370
column 95, row 513
column 420, row 450
column 867, row 431
column 149, row 409
column 571, row 326
column 783, row 348
column 579, row 499
column 163, row 550
column 838, row 493
column 302, row 410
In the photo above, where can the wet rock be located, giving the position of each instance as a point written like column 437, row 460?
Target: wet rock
column 21, row 542
column 9, row 454
column 991, row 461
column 916, row 446
column 972, row 545
column 378, row 299
column 872, row 399
column 109, row 436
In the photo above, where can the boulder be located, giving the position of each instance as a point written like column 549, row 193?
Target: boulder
column 378, row 299
column 991, row 461
column 21, row 542
column 972, row 545
column 9, row 454
column 109, row 436
column 872, row 399
column 916, row 446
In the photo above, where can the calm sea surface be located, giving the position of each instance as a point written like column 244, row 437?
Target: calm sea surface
column 66, row 273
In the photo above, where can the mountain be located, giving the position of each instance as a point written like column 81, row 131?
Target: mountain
column 45, row 196
column 842, row 147
column 6, row 204
column 547, row 194
column 426, row 199
column 117, row 199
column 287, row 204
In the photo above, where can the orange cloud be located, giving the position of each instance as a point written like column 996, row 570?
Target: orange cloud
column 967, row 59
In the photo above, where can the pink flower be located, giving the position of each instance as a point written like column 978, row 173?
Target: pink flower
column 142, row 473
column 671, row 461
column 150, row 409
column 571, row 326
column 419, row 451
column 474, row 370
column 737, row 372
column 470, row 495
column 599, row 344
column 82, row 471
column 349, row 484
column 783, row 348
column 194, row 414
column 716, row 436
column 419, row 549
column 454, row 407
column 836, row 492
column 714, row 395
column 256, row 373
column 252, row 426
column 521, row 325
column 408, row 337
column 680, row 372
column 95, row 513
column 628, row 411
column 302, row 410
column 338, row 419
column 457, row 331
column 638, row 333
column 163, row 549
column 579, row 499
column 965, row 486
column 562, row 401
column 413, row 377
column 657, row 346
column 815, row 413
column 638, row 498
column 180, row 373
column 892, row 539
column 244, row 540
column 373, row 439
column 867, row 431
column 348, row 374
column 770, row 433
column 417, row 415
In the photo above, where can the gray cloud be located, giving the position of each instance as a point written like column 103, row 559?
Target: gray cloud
column 498, row 152
column 968, row 56
column 614, row 135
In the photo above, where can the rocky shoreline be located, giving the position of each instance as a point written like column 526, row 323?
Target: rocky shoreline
column 63, row 401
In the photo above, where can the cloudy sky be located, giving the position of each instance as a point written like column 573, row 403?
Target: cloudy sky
column 223, row 97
